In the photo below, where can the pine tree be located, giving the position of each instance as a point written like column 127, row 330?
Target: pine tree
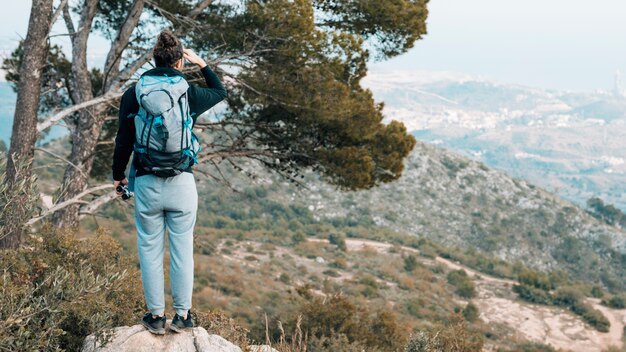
column 293, row 69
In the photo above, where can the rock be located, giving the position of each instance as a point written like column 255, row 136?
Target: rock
column 137, row 339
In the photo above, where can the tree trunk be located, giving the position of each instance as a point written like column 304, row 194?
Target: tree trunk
column 87, row 127
column 24, row 133
column 84, row 140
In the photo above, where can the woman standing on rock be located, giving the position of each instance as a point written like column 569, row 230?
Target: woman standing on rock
column 156, row 119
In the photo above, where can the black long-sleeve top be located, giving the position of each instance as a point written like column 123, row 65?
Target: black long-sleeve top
column 200, row 100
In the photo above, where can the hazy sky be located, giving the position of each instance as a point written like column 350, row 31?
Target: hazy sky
column 564, row 44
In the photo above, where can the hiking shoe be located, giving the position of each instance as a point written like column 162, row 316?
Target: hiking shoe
column 179, row 324
column 154, row 325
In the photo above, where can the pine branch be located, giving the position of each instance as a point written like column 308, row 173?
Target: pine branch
column 41, row 126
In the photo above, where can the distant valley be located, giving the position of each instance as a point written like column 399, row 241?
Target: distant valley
column 567, row 142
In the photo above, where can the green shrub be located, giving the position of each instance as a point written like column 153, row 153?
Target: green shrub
column 572, row 299
column 339, row 263
column 298, row 237
column 336, row 315
column 455, row 336
column 338, row 240
column 616, row 302
column 464, row 285
column 205, row 246
column 428, row 251
column 591, row 316
column 410, row 262
column 567, row 297
column 284, row 278
column 57, row 290
column 470, row 312
column 597, row 292
column 331, row 273
column 536, row 279
column 368, row 280
column 532, row 295
column 424, row 341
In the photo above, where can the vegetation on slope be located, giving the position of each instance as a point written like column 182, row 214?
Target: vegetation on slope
column 266, row 226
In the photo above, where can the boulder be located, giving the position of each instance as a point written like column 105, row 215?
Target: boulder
column 137, row 339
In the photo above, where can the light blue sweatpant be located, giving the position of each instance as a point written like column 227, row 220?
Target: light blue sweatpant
column 169, row 203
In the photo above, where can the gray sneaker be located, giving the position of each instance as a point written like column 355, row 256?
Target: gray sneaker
column 154, row 325
column 179, row 324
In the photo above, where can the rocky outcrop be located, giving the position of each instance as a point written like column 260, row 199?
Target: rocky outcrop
column 137, row 339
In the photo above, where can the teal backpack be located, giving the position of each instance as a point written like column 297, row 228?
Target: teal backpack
column 165, row 144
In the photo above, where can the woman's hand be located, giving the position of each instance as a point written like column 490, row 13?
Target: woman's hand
column 192, row 57
column 117, row 183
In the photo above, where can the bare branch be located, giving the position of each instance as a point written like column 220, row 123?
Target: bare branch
column 203, row 4
column 69, row 23
column 130, row 70
column 222, row 179
column 111, row 66
column 94, row 205
column 74, row 108
column 68, row 202
column 57, row 12
column 217, row 167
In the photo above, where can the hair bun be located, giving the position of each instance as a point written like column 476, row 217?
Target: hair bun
column 167, row 50
column 167, row 40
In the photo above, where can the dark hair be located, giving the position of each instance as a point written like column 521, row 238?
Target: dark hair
column 168, row 49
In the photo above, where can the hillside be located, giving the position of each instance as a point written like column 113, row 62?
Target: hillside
column 455, row 201
column 260, row 248
column 250, row 274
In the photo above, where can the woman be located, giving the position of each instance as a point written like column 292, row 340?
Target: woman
column 164, row 199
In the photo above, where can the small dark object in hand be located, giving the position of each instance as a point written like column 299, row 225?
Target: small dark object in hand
column 126, row 194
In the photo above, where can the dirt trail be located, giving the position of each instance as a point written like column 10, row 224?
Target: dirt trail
column 617, row 318
column 550, row 325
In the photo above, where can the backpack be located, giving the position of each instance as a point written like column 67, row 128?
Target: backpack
column 165, row 144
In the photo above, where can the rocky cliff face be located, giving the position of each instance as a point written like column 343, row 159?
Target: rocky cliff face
column 137, row 339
